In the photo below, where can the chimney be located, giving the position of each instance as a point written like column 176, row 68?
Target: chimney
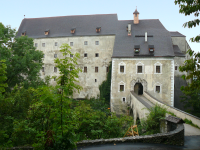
column 145, row 36
column 129, row 29
column 136, row 17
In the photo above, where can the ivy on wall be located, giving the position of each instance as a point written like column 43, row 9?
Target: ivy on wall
column 105, row 86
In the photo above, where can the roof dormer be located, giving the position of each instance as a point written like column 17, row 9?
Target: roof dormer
column 137, row 48
column 98, row 29
column 73, row 30
column 151, row 48
column 46, row 32
column 23, row 33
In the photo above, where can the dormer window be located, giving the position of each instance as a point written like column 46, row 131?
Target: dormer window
column 46, row 32
column 137, row 48
column 151, row 48
column 24, row 33
column 98, row 29
column 73, row 30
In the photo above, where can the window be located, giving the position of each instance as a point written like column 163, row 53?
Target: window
column 56, row 43
column 85, row 69
column 96, row 42
column 158, row 89
column 44, row 56
column 124, row 99
column 97, row 55
column 55, row 55
column 137, row 50
column 96, row 69
column 85, row 42
column 151, row 49
column 71, row 43
column 54, row 79
column 42, row 69
column 107, row 69
column 157, row 69
column 43, row 44
column 176, row 67
column 121, row 87
column 71, row 55
column 95, row 80
column 55, row 69
column 139, row 69
column 122, row 69
column 85, row 55
column 36, row 44
column 135, row 15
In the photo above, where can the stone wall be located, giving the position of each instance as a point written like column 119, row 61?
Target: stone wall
column 148, row 78
column 179, row 113
column 89, row 80
column 175, row 137
column 139, row 108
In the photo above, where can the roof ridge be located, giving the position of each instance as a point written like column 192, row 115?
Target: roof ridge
column 71, row 15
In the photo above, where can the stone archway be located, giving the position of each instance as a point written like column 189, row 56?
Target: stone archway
column 139, row 80
column 138, row 88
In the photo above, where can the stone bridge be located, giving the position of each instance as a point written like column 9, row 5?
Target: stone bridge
column 141, row 103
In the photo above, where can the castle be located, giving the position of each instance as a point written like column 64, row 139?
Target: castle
column 145, row 56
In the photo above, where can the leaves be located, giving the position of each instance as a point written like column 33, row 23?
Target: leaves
column 191, row 97
column 3, row 76
column 22, row 59
column 188, row 7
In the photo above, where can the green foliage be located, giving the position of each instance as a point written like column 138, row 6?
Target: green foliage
column 104, row 88
column 95, row 124
column 3, row 76
column 68, row 79
column 14, row 107
column 22, row 59
column 188, row 7
column 191, row 97
column 99, row 105
column 151, row 125
column 190, row 123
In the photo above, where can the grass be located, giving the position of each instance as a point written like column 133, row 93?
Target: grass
column 191, row 123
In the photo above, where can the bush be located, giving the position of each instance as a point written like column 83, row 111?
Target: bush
column 151, row 124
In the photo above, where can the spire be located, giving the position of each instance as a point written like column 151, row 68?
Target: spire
column 136, row 12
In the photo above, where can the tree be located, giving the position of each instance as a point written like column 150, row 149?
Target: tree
column 68, row 79
column 22, row 59
column 191, row 98
column 2, row 76
column 188, row 7
column 104, row 88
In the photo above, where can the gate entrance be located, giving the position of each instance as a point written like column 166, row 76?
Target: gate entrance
column 138, row 88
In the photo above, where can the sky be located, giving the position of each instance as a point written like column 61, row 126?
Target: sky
column 12, row 12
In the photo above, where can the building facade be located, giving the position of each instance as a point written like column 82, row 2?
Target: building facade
column 145, row 56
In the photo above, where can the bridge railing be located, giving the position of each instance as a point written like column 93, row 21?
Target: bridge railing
column 139, row 107
column 179, row 113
